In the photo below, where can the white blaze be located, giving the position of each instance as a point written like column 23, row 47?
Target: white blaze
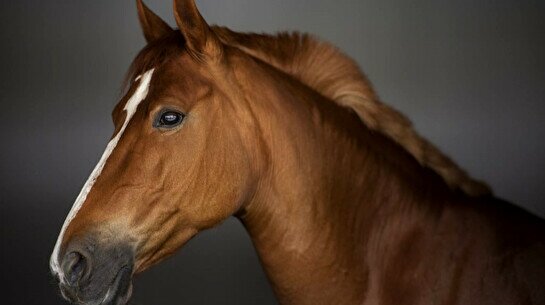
column 130, row 107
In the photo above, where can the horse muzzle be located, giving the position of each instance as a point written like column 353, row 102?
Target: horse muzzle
column 93, row 273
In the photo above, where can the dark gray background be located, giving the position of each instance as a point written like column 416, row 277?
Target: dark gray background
column 470, row 74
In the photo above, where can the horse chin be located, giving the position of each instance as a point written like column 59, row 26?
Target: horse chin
column 120, row 290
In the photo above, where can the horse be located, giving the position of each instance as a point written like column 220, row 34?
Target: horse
column 344, row 201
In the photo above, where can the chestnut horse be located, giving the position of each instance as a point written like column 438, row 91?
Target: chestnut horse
column 343, row 200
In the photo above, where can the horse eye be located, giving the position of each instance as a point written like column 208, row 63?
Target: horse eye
column 169, row 119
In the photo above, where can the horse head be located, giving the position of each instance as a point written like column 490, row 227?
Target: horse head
column 181, row 159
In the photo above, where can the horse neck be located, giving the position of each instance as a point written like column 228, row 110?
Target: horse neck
column 330, row 188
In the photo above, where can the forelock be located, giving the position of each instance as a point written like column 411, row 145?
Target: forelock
column 155, row 54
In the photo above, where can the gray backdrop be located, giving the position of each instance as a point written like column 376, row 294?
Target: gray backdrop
column 470, row 74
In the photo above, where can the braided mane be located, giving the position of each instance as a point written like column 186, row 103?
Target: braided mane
column 333, row 74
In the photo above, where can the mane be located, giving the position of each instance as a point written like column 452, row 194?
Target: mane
column 327, row 70
column 336, row 76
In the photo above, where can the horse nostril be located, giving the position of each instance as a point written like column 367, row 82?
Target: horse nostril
column 74, row 267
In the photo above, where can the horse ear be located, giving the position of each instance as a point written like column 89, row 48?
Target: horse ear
column 152, row 25
column 200, row 40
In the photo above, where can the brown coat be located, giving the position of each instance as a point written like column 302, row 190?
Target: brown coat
column 344, row 201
